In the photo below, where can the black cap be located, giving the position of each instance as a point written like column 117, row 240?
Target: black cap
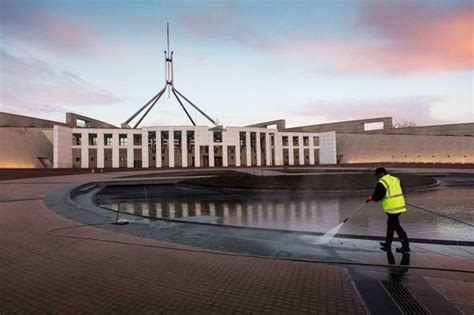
column 380, row 170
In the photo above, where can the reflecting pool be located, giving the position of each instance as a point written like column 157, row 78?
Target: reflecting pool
column 296, row 212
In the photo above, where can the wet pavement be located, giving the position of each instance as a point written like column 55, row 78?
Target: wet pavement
column 285, row 244
column 55, row 265
column 304, row 212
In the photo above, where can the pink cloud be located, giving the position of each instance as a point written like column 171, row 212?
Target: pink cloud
column 411, row 37
column 27, row 23
column 32, row 85
column 411, row 108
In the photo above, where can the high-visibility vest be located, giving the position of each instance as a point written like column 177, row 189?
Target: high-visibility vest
column 393, row 202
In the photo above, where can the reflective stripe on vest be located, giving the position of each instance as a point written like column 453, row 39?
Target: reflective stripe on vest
column 393, row 202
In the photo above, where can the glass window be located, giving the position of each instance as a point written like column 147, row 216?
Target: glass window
column 305, row 141
column 122, row 140
column 242, row 138
column 295, row 141
column 92, row 139
column 76, row 139
column 137, row 139
column 108, row 139
column 285, row 140
column 217, row 136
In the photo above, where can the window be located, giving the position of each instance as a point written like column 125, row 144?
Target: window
column 164, row 138
column 78, row 159
column 253, row 139
column 217, row 136
column 137, row 139
column 122, row 140
column 305, row 141
column 242, row 138
column 152, row 139
column 177, row 138
column 76, row 139
column 295, row 140
column 108, row 139
column 92, row 139
column 285, row 140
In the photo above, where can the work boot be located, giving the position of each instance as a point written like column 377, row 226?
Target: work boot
column 403, row 249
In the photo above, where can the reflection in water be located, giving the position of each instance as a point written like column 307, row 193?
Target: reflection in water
column 309, row 213
column 398, row 271
column 291, row 214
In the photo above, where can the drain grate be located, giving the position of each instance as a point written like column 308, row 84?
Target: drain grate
column 403, row 297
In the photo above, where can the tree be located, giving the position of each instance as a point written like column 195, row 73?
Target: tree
column 404, row 124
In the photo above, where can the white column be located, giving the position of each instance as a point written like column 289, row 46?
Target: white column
column 259, row 149
column 291, row 158
column 301, row 150
column 268, row 149
column 145, row 162
column 237, row 151
column 247, row 148
column 311, row 150
column 211, row 154
column 184, row 148
column 158, row 155
column 84, row 149
column 130, row 155
column 100, row 149
column 171, row 147
column 197, row 150
column 278, row 149
column 225, row 161
column 115, row 150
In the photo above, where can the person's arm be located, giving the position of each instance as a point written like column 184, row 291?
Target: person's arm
column 378, row 194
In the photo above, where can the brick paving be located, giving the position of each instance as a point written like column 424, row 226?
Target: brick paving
column 459, row 292
column 42, row 273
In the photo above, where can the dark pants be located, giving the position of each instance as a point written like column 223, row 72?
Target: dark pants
column 394, row 225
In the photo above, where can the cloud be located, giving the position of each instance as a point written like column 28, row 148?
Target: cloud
column 410, row 36
column 30, row 84
column 224, row 23
column 412, row 108
column 29, row 23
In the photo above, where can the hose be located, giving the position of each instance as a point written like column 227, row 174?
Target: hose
column 441, row 215
column 360, row 207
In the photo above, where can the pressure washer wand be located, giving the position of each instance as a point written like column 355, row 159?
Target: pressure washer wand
column 360, row 207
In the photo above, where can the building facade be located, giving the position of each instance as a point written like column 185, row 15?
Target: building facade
column 189, row 146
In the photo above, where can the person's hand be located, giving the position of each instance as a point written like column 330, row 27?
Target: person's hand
column 369, row 198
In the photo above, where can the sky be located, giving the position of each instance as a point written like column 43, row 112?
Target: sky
column 241, row 62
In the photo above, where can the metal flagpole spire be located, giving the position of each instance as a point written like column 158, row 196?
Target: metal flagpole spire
column 169, row 85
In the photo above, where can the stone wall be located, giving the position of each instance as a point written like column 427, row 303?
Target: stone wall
column 26, row 147
column 354, row 126
column 373, row 148
column 13, row 120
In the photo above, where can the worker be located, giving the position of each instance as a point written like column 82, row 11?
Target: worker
column 389, row 191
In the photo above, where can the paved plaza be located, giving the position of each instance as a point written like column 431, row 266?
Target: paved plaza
column 70, row 271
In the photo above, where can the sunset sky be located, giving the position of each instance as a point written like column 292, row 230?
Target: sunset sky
column 242, row 62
